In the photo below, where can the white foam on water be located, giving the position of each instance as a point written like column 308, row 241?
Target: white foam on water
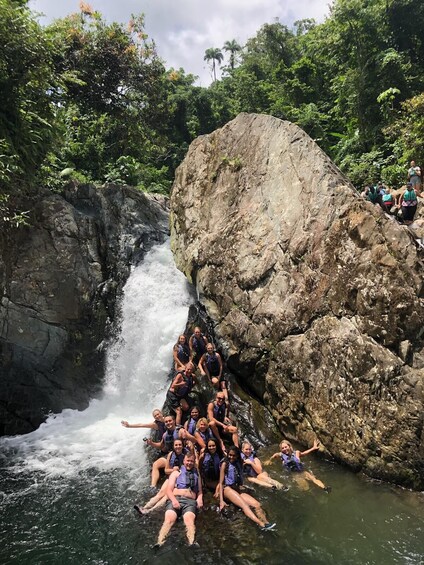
column 154, row 312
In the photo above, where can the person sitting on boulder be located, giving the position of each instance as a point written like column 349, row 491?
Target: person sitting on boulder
column 172, row 433
column 185, row 496
column 181, row 353
column 181, row 386
column 409, row 204
column 231, row 489
column 219, row 422
column 291, row 461
column 211, row 365
column 197, row 344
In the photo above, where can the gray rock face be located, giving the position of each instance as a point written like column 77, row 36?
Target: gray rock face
column 316, row 294
column 59, row 281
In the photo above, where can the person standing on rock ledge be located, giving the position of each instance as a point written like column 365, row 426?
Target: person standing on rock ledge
column 414, row 177
column 409, row 204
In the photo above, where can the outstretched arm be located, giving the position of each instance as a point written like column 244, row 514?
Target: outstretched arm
column 315, row 447
column 152, row 426
column 269, row 461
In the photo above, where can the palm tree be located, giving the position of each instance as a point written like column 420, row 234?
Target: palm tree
column 213, row 54
column 233, row 47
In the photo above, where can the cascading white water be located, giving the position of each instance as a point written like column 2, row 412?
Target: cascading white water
column 154, row 311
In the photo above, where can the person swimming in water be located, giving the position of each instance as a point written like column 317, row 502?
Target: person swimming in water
column 290, row 459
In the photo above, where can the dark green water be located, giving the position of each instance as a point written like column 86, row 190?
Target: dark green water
column 89, row 519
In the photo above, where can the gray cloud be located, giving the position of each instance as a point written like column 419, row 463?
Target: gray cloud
column 184, row 29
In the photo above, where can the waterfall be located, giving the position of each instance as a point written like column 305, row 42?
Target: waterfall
column 154, row 311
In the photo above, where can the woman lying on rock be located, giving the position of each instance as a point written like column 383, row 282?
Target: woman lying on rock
column 291, row 461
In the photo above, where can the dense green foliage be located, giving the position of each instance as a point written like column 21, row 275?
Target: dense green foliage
column 86, row 100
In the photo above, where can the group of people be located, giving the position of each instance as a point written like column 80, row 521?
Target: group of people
column 401, row 203
column 203, row 453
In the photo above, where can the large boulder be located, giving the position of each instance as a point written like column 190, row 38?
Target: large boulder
column 315, row 293
column 59, row 280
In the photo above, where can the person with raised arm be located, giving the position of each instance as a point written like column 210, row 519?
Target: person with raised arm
column 181, row 386
column 158, row 424
column 290, row 459
column 166, row 443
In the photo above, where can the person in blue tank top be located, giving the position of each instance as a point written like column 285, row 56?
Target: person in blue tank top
column 185, row 497
column 231, row 489
column 290, row 459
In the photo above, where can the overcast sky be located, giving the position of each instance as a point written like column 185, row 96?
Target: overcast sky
column 184, row 29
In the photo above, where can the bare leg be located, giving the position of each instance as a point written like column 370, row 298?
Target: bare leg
column 253, row 503
column 189, row 519
column 215, row 432
column 157, row 466
column 259, row 482
column 170, row 519
column 155, row 499
column 311, row 477
column 160, row 504
column 272, row 482
column 238, row 500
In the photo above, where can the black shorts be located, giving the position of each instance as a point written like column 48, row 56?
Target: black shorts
column 173, row 400
column 186, row 505
column 408, row 212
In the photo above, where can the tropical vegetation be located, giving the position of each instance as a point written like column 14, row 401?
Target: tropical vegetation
column 87, row 100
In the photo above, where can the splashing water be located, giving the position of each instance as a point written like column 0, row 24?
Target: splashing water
column 154, row 311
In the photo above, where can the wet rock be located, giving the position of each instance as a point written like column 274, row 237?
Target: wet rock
column 59, row 282
column 313, row 292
